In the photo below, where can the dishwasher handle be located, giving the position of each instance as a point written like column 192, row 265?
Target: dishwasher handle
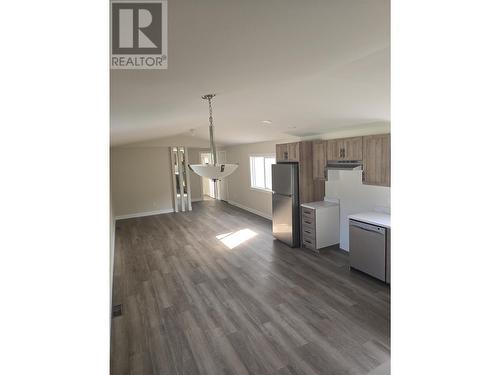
column 367, row 227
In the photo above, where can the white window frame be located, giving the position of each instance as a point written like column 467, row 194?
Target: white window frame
column 252, row 173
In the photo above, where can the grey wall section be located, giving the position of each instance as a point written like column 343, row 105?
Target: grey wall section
column 111, row 250
column 142, row 183
column 141, row 180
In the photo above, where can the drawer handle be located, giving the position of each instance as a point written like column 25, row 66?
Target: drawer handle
column 307, row 222
column 308, row 242
column 308, row 231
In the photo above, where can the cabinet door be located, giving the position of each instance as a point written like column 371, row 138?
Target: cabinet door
column 293, row 151
column 353, row 148
column 319, row 159
column 377, row 160
column 333, row 149
column 282, row 152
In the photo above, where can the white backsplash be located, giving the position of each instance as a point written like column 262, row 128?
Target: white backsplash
column 355, row 197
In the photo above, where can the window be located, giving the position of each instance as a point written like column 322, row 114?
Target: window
column 260, row 171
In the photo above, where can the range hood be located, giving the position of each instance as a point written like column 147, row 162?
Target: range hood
column 345, row 165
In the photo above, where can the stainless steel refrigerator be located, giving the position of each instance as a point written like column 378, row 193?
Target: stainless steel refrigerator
column 286, row 224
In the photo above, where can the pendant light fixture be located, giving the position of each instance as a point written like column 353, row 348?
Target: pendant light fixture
column 214, row 171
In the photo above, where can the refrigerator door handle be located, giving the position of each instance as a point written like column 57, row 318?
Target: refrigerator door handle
column 283, row 195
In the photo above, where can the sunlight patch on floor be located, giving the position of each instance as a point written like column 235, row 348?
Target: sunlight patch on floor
column 233, row 239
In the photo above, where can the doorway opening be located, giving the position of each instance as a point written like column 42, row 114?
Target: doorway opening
column 213, row 189
column 208, row 189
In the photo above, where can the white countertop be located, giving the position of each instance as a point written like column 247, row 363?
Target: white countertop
column 372, row 217
column 320, row 204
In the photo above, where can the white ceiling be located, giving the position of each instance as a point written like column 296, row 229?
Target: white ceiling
column 309, row 66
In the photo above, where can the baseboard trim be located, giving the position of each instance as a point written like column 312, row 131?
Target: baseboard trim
column 142, row 214
column 252, row 210
column 196, row 199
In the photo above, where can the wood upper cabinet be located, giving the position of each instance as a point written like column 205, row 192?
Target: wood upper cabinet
column 294, row 151
column 332, row 150
column 319, row 154
column 282, row 152
column 310, row 189
column 377, row 160
column 352, row 148
column 288, row 152
column 345, row 149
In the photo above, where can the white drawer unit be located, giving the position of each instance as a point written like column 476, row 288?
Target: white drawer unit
column 320, row 224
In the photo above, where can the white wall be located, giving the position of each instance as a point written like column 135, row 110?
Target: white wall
column 177, row 140
column 354, row 197
column 355, row 131
column 240, row 192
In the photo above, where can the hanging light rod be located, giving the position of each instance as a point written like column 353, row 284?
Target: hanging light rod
column 214, row 171
column 213, row 151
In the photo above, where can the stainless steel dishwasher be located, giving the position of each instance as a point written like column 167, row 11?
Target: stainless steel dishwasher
column 367, row 248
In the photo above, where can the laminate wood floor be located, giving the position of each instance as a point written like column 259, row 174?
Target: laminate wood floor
column 211, row 292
